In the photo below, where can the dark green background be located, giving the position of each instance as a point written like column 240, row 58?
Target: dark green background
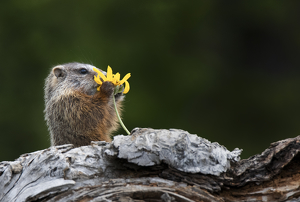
column 225, row 70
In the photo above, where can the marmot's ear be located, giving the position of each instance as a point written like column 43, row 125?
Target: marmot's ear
column 58, row 71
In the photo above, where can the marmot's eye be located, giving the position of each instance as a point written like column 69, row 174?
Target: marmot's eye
column 83, row 71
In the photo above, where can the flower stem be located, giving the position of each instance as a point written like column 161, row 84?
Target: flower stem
column 120, row 120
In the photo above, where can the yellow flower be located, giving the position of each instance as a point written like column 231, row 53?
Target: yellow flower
column 113, row 78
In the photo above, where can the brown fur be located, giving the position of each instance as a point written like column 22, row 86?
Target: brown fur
column 76, row 113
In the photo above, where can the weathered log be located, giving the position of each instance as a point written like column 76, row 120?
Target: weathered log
column 153, row 165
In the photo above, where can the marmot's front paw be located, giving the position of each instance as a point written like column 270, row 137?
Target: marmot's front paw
column 107, row 88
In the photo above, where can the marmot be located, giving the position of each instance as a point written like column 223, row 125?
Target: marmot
column 76, row 113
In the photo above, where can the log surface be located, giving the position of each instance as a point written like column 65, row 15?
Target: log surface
column 153, row 165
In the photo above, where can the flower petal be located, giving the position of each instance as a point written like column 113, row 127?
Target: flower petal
column 109, row 74
column 100, row 74
column 127, row 87
column 96, row 70
column 117, row 76
column 97, row 79
column 126, row 77
column 116, row 79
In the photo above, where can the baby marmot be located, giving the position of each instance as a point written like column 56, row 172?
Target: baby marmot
column 76, row 113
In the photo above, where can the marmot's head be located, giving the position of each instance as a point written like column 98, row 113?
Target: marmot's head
column 64, row 79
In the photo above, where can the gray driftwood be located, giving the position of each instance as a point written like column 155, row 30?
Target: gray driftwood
column 153, row 165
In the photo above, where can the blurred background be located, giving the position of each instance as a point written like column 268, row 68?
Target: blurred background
column 226, row 71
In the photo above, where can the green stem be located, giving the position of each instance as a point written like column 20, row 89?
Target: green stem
column 121, row 122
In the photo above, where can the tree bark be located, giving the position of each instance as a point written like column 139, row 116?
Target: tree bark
column 153, row 165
